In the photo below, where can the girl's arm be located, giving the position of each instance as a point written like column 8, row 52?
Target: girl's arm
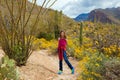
column 66, row 44
column 58, row 46
column 58, row 42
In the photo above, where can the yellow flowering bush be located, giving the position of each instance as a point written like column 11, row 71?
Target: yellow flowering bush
column 72, row 44
column 53, row 46
column 105, row 38
column 44, row 44
column 112, row 50
column 79, row 53
column 92, row 67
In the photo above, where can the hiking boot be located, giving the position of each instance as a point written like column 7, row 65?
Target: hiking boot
column 72, row 71
column 60, row 72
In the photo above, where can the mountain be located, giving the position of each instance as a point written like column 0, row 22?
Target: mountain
column 108, row 15
column 82, row 17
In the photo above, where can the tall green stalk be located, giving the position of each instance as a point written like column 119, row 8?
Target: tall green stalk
column 81, row 34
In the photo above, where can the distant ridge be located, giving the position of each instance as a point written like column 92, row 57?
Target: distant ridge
column 82, row 17
column 108, row 15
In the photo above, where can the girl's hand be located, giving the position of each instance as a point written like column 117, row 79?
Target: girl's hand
column 67, row 53
column 58, row 38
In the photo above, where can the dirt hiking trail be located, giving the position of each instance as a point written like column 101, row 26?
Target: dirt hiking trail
column 43, row 66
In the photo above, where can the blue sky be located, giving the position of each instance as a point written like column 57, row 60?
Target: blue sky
column 73, row 8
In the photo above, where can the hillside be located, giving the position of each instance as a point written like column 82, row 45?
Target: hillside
column 108, row 15
column 46, row 21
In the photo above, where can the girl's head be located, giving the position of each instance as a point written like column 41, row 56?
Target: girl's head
column 62, row 34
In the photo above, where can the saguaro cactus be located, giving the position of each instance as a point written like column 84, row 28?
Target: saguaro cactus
column 81, row 34
column 57, row 24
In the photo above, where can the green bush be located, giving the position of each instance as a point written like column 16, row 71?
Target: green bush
column 8, row 70
column 47, row 36
column 19, row 57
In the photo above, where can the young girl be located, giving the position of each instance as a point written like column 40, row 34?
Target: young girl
column 62, row 53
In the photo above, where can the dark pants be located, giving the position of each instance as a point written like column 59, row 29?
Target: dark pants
column 66, row 60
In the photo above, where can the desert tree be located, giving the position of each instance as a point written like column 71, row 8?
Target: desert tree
column 16, row 30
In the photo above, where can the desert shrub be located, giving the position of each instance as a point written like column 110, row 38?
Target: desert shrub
column 99, row 67
column 47, row 36
column 77, row 51
column 105, row 38
column 71, row 46
column 41, row 43
column 112, row 68
column 92, row 67
column 8, row 70
column 53, row 47
column 44, row 44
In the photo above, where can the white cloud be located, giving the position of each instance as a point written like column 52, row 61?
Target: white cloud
column 73, row 8
column 117, row 5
